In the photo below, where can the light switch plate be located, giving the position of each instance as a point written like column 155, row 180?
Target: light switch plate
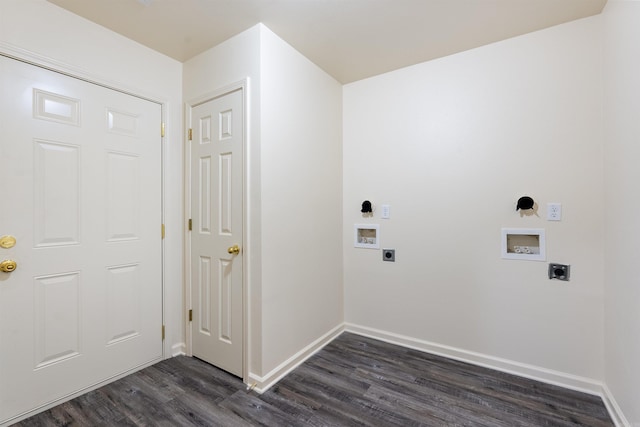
column 386, row 212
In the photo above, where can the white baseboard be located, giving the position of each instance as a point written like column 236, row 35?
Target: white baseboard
column 573, row 382
column 262, row 384
column 614, row 409
column 179, row 349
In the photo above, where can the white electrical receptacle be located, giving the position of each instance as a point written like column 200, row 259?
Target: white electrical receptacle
column 554, row 211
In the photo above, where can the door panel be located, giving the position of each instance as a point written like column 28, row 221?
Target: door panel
column 81, row 172
column 57, row 197
column 217, row 214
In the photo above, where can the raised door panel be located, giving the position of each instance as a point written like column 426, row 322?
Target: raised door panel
column 57, row 193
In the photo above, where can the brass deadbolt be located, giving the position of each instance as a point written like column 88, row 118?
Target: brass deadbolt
column 7, row 242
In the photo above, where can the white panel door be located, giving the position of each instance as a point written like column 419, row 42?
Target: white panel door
column 217, row 230
column 80, row 172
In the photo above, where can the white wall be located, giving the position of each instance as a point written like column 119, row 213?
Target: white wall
column 301, row 131
column 39, row 31
column 451, row 144
column 622, row 175
column 295, row 282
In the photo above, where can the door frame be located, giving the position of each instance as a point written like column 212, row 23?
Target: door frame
column 38, row 60
column 242, row 85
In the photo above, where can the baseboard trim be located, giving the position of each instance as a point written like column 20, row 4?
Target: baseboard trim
column 262, row 384
column 179, row 349
column 549, row 376
column 614, row 409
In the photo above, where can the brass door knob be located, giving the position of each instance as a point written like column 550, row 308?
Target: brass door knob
column 8, row 266
column 235, row 249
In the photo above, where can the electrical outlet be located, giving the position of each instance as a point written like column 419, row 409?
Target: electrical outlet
column 559, row 271
column 554, row 211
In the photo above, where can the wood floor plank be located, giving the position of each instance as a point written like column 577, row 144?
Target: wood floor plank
column 438, row 412
column 352, row 405
column 298, row 406
column 353, row 381
column 255, row 411
column 196, row 410
column 439, row 403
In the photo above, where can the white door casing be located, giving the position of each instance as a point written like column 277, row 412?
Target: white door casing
column 216, row 182
column 83, row 165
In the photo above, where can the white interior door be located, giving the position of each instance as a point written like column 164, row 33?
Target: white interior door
column 80, row 172
column 217, row 228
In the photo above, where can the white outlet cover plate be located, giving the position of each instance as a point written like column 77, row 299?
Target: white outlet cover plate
column 554, row 211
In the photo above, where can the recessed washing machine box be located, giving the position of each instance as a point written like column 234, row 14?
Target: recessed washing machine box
column 367, row 236
column 523, row 243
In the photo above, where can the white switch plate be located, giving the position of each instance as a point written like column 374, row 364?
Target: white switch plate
column 554, row 211
column 386, row 212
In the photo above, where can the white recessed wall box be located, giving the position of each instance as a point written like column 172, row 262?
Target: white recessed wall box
column 523, row 243
column 367, row 236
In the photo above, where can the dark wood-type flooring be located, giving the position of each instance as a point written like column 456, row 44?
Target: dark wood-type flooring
column 353, row 381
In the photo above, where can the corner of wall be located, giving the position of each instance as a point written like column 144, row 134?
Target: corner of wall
column 262, row 383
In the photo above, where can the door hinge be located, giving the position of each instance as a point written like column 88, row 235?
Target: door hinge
column 190, row 315
column 190, row 134
column 190, row 224
column 162, row 130
column 162, row 231
column 162, row 332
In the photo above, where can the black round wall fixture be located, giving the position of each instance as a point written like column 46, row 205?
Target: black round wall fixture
column 366, row 207
column 524, row 203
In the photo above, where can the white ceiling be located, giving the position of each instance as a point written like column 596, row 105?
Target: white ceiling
column 349, row 39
